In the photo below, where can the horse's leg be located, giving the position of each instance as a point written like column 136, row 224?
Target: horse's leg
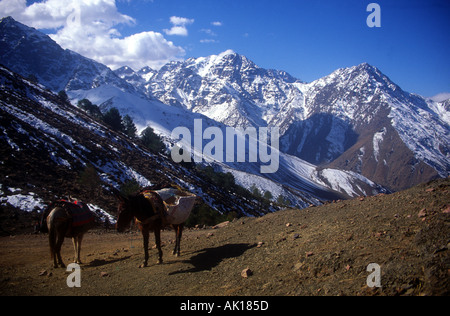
column 175, row 227
column 146, row 236
column 158, row 243
column 179, row 235
column 77, row 247
column 58, row 249
column 80, row 239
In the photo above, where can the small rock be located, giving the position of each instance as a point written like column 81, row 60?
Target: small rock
column 430, row 190
column 221, row 225
column 297, row 266
column 260, row 244
column 447, row 210
column 422, row 213
column 246, row 273
column 43, row 273
column 309, row 254
column 288, row 225
column 104, row 274
column 296, row 236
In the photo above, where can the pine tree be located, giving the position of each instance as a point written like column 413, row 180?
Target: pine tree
column 128, row 126
column 90, row 108
column 113, row 119
column 151, row 140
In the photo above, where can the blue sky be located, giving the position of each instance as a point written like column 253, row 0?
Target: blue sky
column 308, row 39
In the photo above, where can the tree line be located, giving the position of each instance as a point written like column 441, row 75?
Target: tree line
column 123, row 124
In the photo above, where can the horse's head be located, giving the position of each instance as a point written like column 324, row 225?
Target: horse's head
column 124, row 213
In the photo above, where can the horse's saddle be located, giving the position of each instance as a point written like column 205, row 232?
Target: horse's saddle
column 79, row 211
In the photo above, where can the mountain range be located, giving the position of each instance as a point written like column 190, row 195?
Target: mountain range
column 355, row 119
column 351, row 133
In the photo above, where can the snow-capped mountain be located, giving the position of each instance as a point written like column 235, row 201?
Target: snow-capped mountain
column 396, row 138
column 355, row 119
column 228, row 88
column 33, row 54
column 297, row 180
column 51, row 149
column 355, row 123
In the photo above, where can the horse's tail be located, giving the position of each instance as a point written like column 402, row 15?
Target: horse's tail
column 52, row 234
column 52, row 241
column 43, row 227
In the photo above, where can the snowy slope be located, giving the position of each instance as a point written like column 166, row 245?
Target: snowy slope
column 31, row 53
column 47, row 144
column 321, row 121
column 293, row 172
column 222, row 90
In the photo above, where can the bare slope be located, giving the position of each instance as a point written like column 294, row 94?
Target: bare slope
column 318, row 251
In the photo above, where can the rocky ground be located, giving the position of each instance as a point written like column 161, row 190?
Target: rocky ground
column 317, row 251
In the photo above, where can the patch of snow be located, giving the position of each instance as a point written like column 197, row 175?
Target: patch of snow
column 27, row 203
column 377, row 139
column 102, row 214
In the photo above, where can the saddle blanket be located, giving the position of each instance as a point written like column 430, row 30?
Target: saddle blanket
column 81, row 214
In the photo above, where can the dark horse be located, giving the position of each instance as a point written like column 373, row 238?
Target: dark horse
column 66, row 219
column 149, row 210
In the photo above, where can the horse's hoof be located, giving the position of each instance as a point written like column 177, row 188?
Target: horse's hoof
column 159, row 261
column 143, row 265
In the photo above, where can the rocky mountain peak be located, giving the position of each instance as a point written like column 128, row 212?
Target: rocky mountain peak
column 356, row 118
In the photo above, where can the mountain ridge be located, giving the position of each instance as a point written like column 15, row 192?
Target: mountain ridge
column 321, row 120
column 315, row 119
column 146, row 110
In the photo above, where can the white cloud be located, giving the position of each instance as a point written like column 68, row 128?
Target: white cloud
column 208, row 41
column 88, row 27
column 176, row 20
column 217, row 23
column 441, row 97
column 179, row 26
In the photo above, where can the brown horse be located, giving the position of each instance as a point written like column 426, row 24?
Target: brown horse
column 150, row 213
column 66, row 219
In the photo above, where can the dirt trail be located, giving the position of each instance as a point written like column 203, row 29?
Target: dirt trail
column 318, row 251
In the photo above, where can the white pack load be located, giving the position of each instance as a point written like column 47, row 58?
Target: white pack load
column 178, row 204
